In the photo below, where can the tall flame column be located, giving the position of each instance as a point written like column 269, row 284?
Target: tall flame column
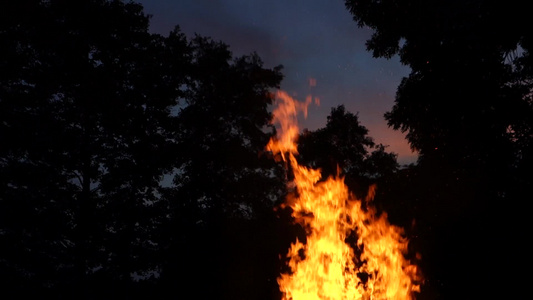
column 330, row 269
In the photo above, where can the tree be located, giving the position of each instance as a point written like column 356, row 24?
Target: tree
column 222, row 224
column 463, row 93
column 94, row 117
column 459, row 88
column 464, row 106
column 86, row 125
column 343, row 148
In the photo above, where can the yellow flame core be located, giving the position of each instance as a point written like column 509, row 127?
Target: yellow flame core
column 326, row 267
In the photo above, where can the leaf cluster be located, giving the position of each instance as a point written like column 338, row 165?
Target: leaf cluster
column 466, row 109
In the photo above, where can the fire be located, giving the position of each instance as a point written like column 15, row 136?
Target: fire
column 325, row 267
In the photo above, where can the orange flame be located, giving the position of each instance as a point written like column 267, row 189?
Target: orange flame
column 326, row 267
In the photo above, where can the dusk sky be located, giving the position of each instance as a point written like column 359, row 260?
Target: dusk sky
column 312, row 39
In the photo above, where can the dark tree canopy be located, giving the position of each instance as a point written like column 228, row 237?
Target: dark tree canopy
column 85, row 109
column 223, row 128
column 225, row 189
column 344, row 148
column 467, row 109
column 96, row 114
column 467, row 89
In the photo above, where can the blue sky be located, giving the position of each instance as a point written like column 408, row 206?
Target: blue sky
column 311, row 39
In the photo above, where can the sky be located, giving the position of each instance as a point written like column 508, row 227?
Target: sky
column 315, row 41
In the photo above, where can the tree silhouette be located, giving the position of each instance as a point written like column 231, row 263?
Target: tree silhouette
column 224, row 189
column 96, row 114
column 466, row 107
column 459, row 88
column 86, row 135
column 344, row 148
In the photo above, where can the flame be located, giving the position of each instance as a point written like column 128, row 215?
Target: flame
column 325, row 267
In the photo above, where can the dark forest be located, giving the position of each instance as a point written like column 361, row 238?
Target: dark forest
column 133, row 165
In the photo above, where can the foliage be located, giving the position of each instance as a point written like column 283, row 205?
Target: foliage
column 225, row 189
column 343, row 148
column 133, row 164
column 464, row 92
column 466, row 108
column 85, row 126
